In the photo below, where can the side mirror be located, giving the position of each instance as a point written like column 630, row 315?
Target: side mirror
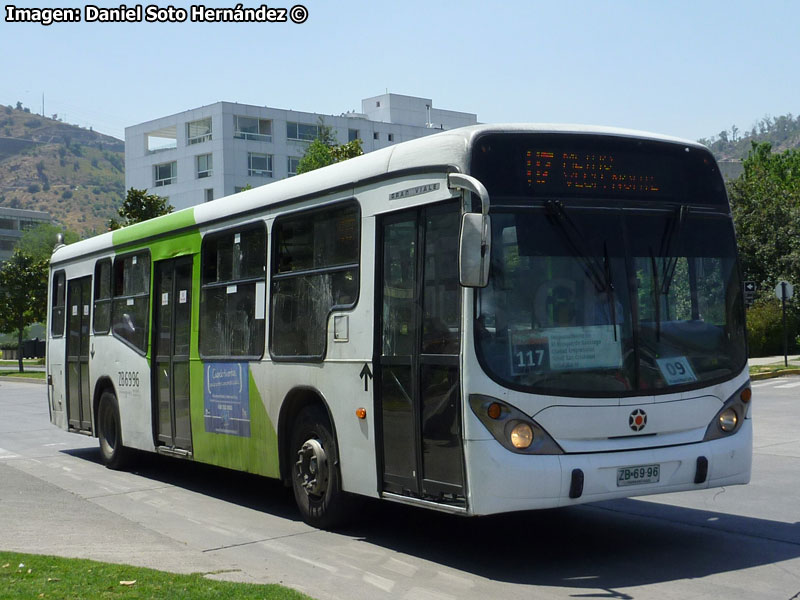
column 475, row 239
column 474, row 250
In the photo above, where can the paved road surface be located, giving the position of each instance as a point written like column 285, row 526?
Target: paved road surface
column 740, row 542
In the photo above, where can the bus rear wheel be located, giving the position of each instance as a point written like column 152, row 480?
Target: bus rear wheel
column 114, row 454
column 316, row 480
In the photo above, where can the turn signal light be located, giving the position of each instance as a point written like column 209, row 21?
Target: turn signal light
column 361, row 413
column 746, row 394
column 494, row 411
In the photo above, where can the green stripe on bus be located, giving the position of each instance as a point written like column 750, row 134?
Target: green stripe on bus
column 153, row 227
column 255, row 454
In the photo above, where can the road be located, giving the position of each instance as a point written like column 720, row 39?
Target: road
column 740, row 542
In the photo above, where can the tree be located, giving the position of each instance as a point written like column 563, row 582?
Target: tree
column 140, row 206
column 39, row 241
column 765, row 201
column 324, row 151
column 23, row 295
column 317, row 155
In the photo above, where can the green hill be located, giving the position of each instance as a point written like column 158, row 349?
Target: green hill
column 732, row 146
column 75, row 174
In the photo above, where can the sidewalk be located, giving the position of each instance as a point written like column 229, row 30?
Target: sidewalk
column 771, row 360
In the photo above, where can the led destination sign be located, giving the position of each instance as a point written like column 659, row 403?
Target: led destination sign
column 520, row 167
column 591, row 172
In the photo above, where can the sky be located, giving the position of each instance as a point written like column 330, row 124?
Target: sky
column 684, row 68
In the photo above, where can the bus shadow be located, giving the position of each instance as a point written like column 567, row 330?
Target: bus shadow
column 243, row 489
column 597, row 547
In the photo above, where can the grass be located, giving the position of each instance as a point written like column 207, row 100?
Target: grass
column 25, row 362
column 773, row 368
column 26, row 374
column 33, row 576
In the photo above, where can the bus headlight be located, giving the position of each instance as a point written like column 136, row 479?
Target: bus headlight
column 521, row 436
column 515, row 430
column 728, row 419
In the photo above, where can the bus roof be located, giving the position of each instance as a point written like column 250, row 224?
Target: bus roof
column 448, row 148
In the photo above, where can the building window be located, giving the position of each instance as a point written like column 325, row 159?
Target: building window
column 166, row 173
column 375, row 136
column 391, row 137
column 165, row 138
column 102, row 296
column 259, row 165
column 209, row 194
column 352, row 135
column 9, row 224
column 378, row 104
column 198, row 131
column 129, row 310
column 7, row 245
column 58, row 298
column 205, row 165
column 292, row 165
column 252, row 128
column 233, row 292
column 315, row 270
column 302, row 131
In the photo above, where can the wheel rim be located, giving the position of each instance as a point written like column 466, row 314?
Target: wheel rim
column 311, row 468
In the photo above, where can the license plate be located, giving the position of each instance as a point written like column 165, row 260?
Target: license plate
column 638, row 474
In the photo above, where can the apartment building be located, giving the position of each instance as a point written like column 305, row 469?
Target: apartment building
column 205, row 153
column 13, row 223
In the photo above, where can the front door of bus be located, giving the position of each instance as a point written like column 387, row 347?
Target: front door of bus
column 172, row 325
column 79, row 400
column 416, row 356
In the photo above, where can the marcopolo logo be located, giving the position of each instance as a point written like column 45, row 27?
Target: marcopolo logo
column 637, row 420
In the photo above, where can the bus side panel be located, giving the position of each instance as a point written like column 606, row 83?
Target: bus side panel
column 347, row 386
column 249, row 442
column 129, row 373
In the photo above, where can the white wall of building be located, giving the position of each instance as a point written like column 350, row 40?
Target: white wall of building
column 397, row 119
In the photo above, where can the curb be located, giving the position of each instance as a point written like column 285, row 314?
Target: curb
column 774, row 374
column 23, row 379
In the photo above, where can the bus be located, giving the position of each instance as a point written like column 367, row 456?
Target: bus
column 489, row 319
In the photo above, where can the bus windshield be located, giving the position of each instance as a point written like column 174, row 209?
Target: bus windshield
column 610, row 301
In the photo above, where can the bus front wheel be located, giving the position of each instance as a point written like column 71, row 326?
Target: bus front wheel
column 314, row 460
column 113, row 453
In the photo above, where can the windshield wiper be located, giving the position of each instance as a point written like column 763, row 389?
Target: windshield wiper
column 573, row 236
column 656, row 295
column 670, row 239
column 599, row 275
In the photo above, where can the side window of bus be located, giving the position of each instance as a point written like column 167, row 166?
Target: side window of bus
column 101, row 322
column 58, row 299
column 129, row 312
column 233, row 292
column 315, row 270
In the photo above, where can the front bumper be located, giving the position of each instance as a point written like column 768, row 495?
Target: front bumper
column 502, row 481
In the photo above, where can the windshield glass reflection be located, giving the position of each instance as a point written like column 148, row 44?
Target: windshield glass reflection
column 610, row 302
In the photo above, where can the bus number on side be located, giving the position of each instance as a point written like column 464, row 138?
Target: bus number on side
column 129, row 379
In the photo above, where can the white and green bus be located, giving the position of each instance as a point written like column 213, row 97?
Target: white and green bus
column 490, row 319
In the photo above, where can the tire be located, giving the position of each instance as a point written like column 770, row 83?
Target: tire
column 314, row 464
column 113, row 453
